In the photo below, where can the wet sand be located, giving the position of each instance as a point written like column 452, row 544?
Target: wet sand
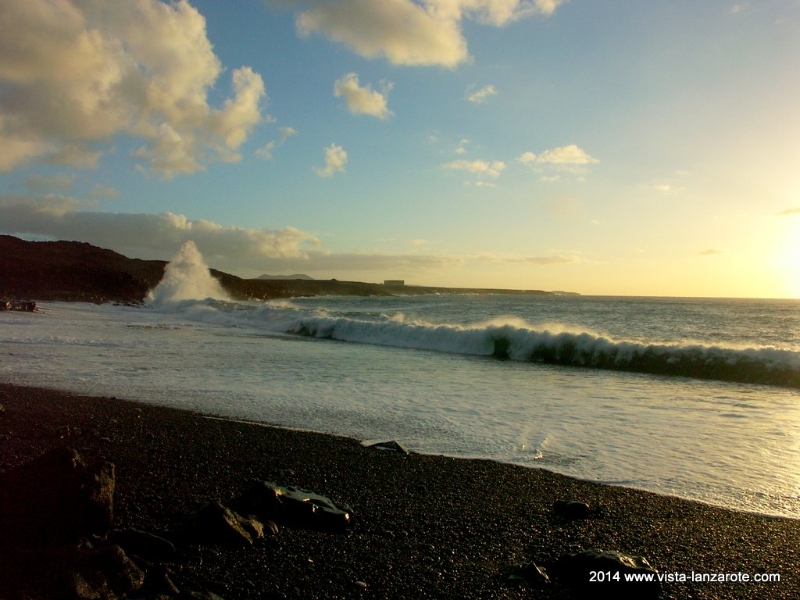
column 422, row 526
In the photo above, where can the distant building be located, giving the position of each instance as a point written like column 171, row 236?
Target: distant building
column 394, row 282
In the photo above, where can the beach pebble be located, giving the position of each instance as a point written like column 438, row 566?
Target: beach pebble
column 390, row 446
column 571, row 509
column 529, row 573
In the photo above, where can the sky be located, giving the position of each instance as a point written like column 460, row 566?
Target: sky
column 623, row 147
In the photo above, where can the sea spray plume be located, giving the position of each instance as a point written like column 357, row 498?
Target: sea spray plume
column 187, row 277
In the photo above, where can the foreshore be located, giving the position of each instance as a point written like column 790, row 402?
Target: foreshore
column 421, row 526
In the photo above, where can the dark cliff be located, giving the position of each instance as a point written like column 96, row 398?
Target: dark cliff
column 77, row 271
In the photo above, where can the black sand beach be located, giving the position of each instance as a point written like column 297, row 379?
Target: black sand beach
column 421, row 526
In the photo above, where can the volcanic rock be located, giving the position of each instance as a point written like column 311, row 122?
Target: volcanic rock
column 292, row 506
column 141, row 543
column 595, row 569
column 55, row 498
column 571, row 509
column 390, row 446
column 218, row 524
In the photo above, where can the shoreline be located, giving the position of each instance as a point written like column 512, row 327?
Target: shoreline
column 422, row 525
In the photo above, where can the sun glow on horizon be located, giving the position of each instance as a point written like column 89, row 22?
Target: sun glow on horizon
column 786, row 258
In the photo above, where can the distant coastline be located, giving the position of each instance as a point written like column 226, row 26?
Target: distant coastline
column 80, row 272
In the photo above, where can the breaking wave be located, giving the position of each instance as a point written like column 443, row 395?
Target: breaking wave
column 518, row 341
column 187, row 277
column 510, row 338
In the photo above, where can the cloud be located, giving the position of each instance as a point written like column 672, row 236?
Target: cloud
column 363, row 100
column 149, row 235
column 158, row 236
column 789, row 212
column 462, row 146
column 555, row 259
column 77, row 155
column 74, row 74
column 378, row 262
column 558, row 161
column 479, row 167
column 43, row 184
column 402, row 31
column 233, row 249
column 711, row 252
column 564, row 156
column 102, row 191
column 482, row 95
column 667, row 188
column 335, row 160
column 406, row 32
column 265, row 151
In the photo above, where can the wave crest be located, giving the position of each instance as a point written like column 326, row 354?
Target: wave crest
column 517, row 340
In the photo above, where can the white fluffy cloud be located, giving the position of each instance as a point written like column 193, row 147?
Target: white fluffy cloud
column 564, row 156
column 335, row 161
column 479, row 167
column 553, row 163
column 363, row 100
column 409, row 32
column 75, row 73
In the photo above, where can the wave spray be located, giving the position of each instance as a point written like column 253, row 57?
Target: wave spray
column 187, row 277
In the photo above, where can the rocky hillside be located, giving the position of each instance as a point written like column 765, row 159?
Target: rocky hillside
column 73, row 271
column 76, row 271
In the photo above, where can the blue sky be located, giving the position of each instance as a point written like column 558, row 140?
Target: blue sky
column 618, row 147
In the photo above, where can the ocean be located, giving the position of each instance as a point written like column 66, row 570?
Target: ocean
column 698, row 398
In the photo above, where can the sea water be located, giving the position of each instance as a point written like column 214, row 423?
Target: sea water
column 593, row 387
